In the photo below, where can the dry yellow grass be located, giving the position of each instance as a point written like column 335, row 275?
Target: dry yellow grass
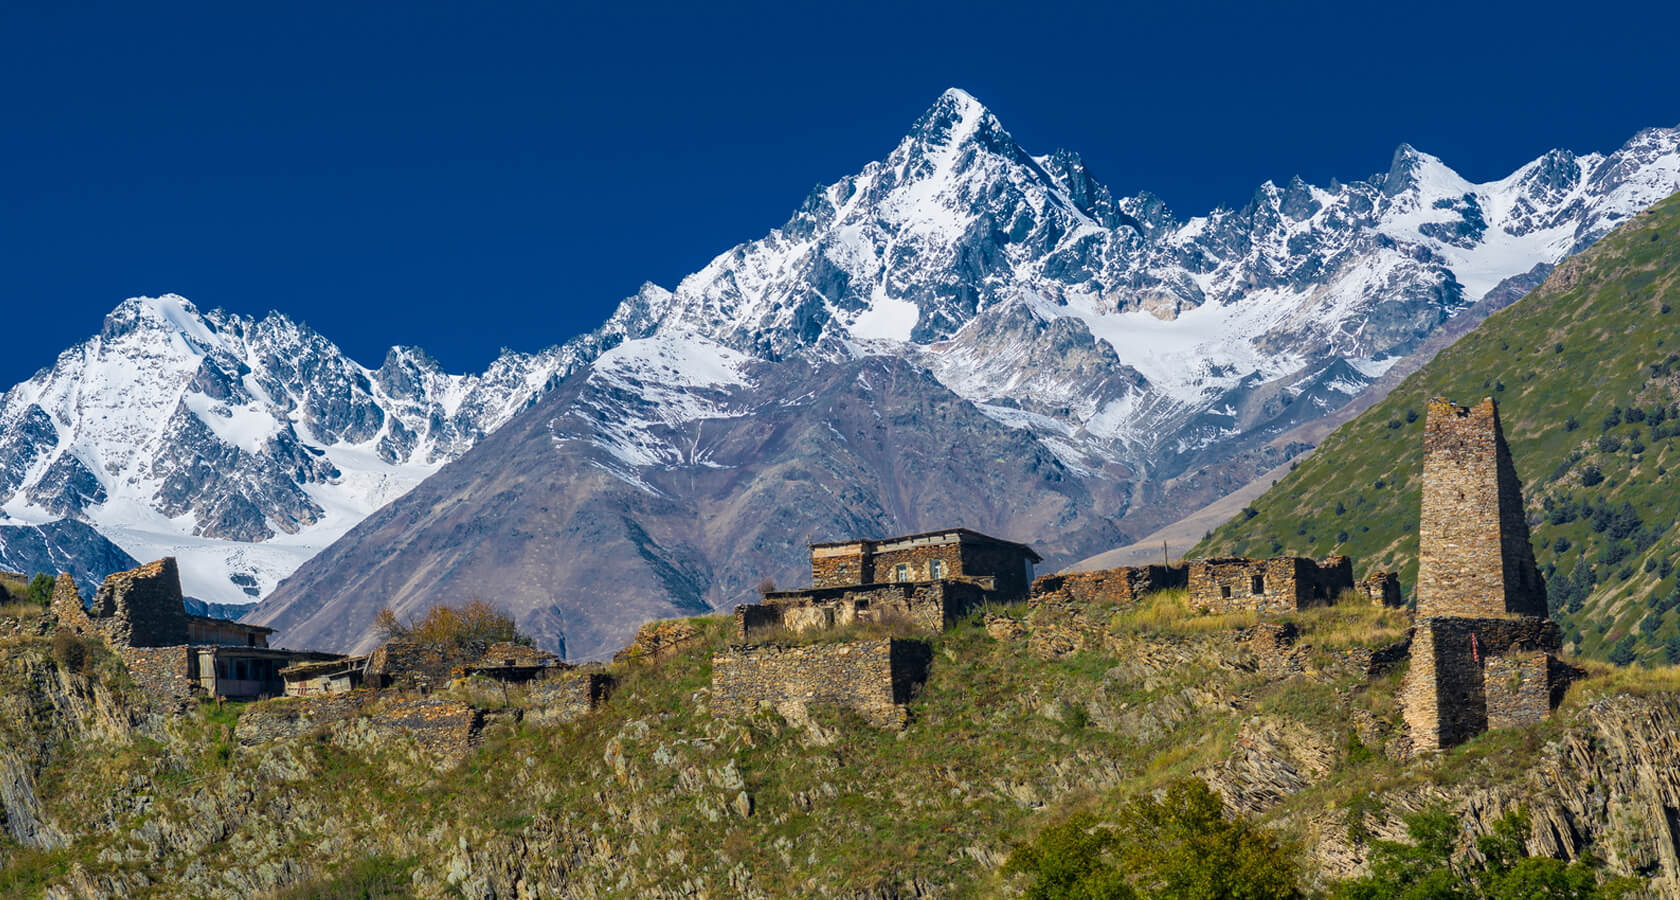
column 1352, row 622
column 20, row 610
column 1604, row 679
column 1169, row 611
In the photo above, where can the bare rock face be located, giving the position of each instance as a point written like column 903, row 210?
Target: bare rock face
column 592, row 513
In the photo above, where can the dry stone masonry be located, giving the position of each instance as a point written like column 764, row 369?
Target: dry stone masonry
column 1003, row 568
column 1474, row 557
column 172, row 654
column 918, row 583
column 926, row 607
column 874, row 678
column 1483, row 650
column 1281, row 584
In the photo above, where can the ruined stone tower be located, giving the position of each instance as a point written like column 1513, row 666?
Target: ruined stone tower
column 1474, row 557
column 1482, row 646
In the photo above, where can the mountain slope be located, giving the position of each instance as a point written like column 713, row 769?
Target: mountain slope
column 598, row 510
column 652, row 796
column 1159, row 361
column 1586, row 370
column 64, row 545
column 1153, row 360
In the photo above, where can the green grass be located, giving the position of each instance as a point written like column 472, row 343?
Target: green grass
column 1579, row 349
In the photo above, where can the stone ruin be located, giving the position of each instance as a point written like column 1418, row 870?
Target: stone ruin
column 921, row 582
column 1483, row 648
column 1069, row 611
column 1280, row 584
column 172, row 654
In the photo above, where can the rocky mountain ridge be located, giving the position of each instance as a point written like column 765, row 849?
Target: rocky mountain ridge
column 1130, row 359
column 1153, row 358
column 241, row 445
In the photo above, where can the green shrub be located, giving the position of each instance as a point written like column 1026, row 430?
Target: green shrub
column 1425, row 869
column 70, row 650
column 1178, row 847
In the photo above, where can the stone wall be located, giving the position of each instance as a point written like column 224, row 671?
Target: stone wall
column 142, row 607
column 1474, row 558
column 1009, row 569
column 1110, row 588
column 923, row 608
column 67, row 607
column 836, row 566
column 1381, row 588
column 566, row 696
column 276, row 719
column 1280, row 584
column 445, row 728
column 918, row 559
column 409, row 665
column 658, row 640
column 1518, row 688
column 875, row 678
column 1069, row 612
column 1445, row 696
column 163, row 673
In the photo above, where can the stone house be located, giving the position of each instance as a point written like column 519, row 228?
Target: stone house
column 926, row 607
column 1280, row 584
column 1002, row 568
column 874, row 678
column 919, row 582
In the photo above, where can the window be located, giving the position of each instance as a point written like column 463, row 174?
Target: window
column 1258, row 583
column 1225, row 591
column 936, row 569
column 901, row 572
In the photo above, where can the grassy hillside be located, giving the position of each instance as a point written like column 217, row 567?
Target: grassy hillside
column 1586, row 371
column 652, row 796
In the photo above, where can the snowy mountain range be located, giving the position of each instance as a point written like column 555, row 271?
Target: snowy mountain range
column 1149, row 361
column 240, row 446
column 1135, row 365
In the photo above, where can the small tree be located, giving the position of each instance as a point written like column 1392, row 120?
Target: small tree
column 459, row 631
column 1623, row 653
column 1183, row 847
column 41, row 588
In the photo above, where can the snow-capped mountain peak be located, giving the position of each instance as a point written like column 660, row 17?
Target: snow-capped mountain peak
column 1136, row 349
column 241, row 445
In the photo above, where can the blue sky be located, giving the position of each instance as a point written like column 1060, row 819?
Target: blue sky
column 464, row 177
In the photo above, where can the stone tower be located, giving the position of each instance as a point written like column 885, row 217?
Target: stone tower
column 1474, row 558
column 1482, row 647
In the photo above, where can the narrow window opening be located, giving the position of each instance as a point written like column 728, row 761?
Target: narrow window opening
column 901, row 572
column 1225, row 591
column 936, row 569
column 1258, row 583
